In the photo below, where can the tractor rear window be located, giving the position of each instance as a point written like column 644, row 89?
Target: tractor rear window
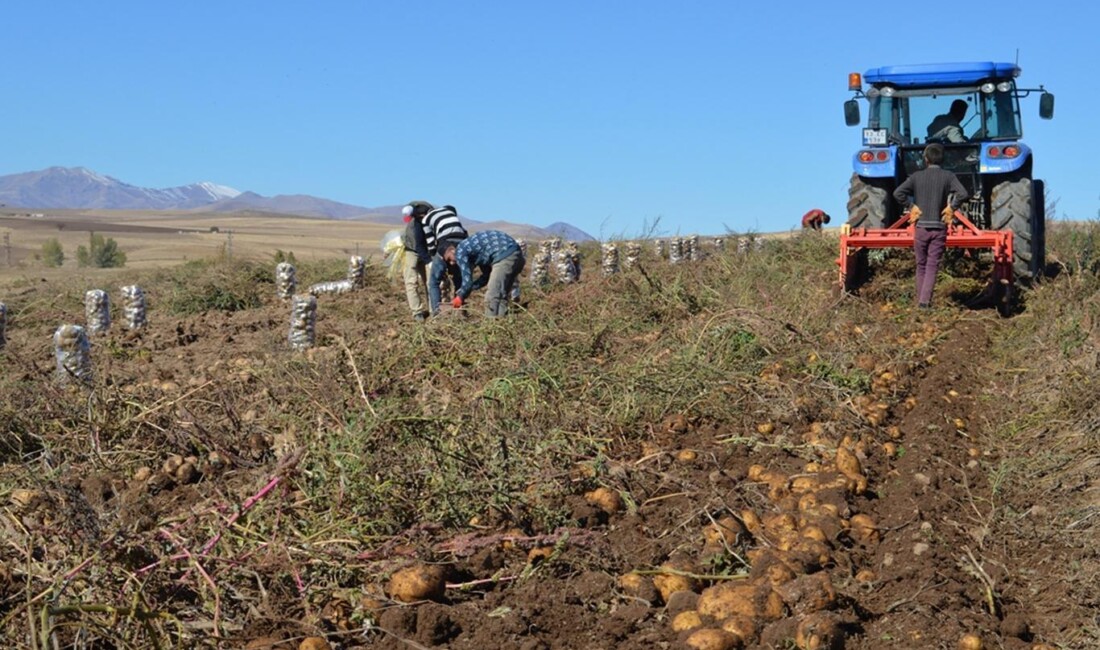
column 915, row 117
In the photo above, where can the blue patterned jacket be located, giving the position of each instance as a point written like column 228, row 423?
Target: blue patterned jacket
column 483, row 250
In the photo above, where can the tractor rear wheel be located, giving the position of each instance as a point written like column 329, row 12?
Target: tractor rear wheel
column 1020, row 206
column 868, row 205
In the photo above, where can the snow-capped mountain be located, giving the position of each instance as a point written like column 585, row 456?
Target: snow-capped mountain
column 81, row 188
column 78, row 188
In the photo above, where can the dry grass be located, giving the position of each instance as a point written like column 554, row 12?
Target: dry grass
column 387, row 433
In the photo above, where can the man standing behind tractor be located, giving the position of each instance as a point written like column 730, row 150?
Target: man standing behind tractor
column 501, row 261
column 930, row 196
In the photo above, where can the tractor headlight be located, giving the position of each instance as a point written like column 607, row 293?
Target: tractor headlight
column 988, row 87
column 1004, row 87
column 873, row 92
column 887, row 91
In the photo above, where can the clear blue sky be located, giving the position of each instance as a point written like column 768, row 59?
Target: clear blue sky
column 605, row 114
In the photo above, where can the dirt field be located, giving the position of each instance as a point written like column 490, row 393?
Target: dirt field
column 159, row 239
column 627, row 461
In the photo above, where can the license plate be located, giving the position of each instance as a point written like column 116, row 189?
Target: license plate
column 874, row 136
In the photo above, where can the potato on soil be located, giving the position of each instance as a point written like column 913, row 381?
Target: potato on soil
column 862, row 528
column 539, row 554
column 808, row 593
column 638, row 586
column 971, row 642
column 713, row 639
column 688, row 620
column 752, row 521
column 669, row 583
column 314, row 643
column 743, row 627
column 847, row 463
column 686, row 455
column 605, row 499
column 729, row 598
column 819, row 631
column 419, row 582
column 725, row 531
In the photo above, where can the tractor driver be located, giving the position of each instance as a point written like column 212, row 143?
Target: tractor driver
column 948, row 127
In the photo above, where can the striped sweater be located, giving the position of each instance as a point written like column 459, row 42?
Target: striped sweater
column 442, row 223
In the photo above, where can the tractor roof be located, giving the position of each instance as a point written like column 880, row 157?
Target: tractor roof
column 940, row 74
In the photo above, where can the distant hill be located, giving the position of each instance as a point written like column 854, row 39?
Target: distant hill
column 568, row 232
column 78, row 188
column 298, row 204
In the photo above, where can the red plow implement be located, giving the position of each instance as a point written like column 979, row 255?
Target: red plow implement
column 961, row 233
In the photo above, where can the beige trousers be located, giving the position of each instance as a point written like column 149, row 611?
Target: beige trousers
column 416, row 283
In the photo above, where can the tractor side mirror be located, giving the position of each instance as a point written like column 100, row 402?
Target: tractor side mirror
column 851, row 111
column 1046, row 106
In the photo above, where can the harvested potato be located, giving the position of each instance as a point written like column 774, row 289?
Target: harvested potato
column 686, row 455
column 856, row 485
column 890, row 449
column 808, row 593
column 539, row 554
column 638, row 586
column 808, row 555
column 509, row 543
column 814, row 532
column 863, row 530
column 314, row 643
column 670, row 583
column 752, row 521
column 418, row 582
column 778, row 573
column 765, row 428
column 847, row 463
column 819, row 631
column 712, row 639
column 727, row 599
column 606, row 499
column 743, row 627
column 780, row 524
column 971, row 642
column 865, row 576
column 171, row 464
column 723, row 532
column 755, row 472
column 805, row 484
column 688, row 620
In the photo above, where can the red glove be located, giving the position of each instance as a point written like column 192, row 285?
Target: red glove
column 457, row 302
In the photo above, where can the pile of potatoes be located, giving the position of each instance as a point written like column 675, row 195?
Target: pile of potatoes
column 788, row 547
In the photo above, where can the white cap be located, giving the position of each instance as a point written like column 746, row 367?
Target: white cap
column 407, row 211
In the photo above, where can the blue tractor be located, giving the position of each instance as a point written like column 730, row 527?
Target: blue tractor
column 973, row 109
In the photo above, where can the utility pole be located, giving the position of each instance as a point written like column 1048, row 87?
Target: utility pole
column 7, row 248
